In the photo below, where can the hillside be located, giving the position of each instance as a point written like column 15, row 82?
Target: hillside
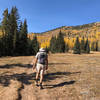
column 92, row 31
column 81, row 30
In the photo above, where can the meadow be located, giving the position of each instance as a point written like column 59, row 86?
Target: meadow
column 69, row 77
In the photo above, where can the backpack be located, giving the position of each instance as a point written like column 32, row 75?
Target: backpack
column 41, row 58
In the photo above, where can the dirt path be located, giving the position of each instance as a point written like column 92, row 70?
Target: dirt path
column 10, row 93
column 69, row 77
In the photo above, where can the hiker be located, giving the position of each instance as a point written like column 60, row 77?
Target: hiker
column 41, row 64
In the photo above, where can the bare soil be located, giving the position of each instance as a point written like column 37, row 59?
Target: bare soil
column 69, row 77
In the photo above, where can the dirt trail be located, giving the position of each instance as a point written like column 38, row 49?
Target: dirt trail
column 69, row 77
column 32, row 92
column 10, row 93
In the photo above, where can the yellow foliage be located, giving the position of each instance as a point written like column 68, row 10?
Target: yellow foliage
column 98, row 35
column 0, row 33
column 45, row 44
column 92, row 34
column 71, row 43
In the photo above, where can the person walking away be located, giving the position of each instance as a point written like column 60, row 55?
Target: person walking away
column 41, row 64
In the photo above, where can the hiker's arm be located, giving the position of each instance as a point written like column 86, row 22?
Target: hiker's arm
column 32, row 62
column 46, row 63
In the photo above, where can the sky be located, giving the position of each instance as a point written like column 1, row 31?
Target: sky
column 44, row 15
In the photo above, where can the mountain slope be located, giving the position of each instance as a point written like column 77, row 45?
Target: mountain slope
column 90, row 31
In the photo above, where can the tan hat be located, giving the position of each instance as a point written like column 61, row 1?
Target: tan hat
column 42, row 49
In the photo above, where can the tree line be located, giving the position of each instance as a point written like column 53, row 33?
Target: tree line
column 82, row 47
column 14, row 40
column 58, row 45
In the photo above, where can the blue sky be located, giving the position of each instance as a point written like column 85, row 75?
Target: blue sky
column 44, row 15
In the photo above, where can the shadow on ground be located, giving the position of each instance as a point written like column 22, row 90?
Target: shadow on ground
column 15, row 65
column 27, row 79
column 59, row 64
column 27, row 65
column 52, row 76
column 24, row 78
column 59, row 84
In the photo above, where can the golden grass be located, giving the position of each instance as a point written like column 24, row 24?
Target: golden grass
column 69, row 77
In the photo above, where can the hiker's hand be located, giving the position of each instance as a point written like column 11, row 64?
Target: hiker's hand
column 46, row 67
column 32, row 62
column 34, row 66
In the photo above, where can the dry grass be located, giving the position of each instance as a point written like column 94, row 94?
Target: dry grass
column 69, row 77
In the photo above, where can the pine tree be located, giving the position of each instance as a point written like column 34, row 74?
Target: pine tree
column 25, row 32
column 35, row 45
column 6, row 32
column 57, row 45
column 97, row 46
column 1, row 47
column 82, row 46
column 87, row 47
column 47, row 49
column 93, row 48
column 19, row 41
column 13, row 24
column 77, row 47
column 29, row 46
column 53, row 46
column 23, row 40
column 14, row 37
column 66, row 48
column 60, row 43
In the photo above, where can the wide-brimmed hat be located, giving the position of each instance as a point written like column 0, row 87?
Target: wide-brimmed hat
column 42, row 49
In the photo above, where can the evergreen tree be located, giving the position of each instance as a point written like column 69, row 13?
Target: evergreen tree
column 93, row 46
column 30, row 47
column 57, row 45
column 87, row 47
column 13, row 26
column 53, row 46
column 14, row 40
column 82, row 46
column 60, row 43
column 19, row 41
column 1, row 47
column 47, row 49
column 77, row 47
column 6, row 33
column 23, row 40
column 97, row 46
column 35, row 45
column 66, row 48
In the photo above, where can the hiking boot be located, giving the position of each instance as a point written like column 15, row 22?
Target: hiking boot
column 41, row 87
column 36, row 83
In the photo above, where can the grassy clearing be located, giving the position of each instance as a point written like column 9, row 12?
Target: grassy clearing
column 69, row 77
